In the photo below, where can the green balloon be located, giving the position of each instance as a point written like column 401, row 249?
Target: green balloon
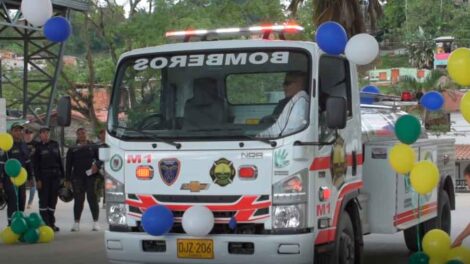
column 31, row 236
column 407, row 129
column 18, row 214
column 12, row 168
column 19, row 225
column 454, row 261
column 34, row 220
column 418, row 258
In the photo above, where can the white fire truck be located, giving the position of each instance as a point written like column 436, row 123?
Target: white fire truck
column 187, row 126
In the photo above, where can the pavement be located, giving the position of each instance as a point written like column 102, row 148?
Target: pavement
column 87, row 246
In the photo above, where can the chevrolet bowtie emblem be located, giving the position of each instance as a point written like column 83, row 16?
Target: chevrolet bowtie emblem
column 194, row 186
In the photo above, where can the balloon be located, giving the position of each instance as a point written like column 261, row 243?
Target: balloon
column 331, row 38
column 46, row 234
column 367, row 99
column 436, row 243
column 458, row 66
column 408, row 129
column 454, row 261
column 437, row 261
column 57, row 29
column 21, row 179
column 418, row 258
column 465, row 106
column 37, row 12
column 31, row 236
column 6, row 141
column 424, row 177
column 19, row 225
column 8, row 236
column 34, row 220
column 432, row 100
column 459, row 253
column 198, row 221
column 362, row 49
column 17, row 214
column 13, row 167
column 157, row 220
column 402, row 158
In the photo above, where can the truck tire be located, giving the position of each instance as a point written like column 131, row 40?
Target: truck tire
column 344, row 248
column 442, row 221
column 345, row 243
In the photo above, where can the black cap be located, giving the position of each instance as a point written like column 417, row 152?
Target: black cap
column 16, row 125
column 44, row 128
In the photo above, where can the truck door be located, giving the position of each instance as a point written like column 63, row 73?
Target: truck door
column 337, row 166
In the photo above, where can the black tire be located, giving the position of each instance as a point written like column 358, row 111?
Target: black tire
column 442, row 221
column 344, row 250
column 345, row 242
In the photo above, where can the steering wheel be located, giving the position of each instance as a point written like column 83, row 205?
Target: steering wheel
column 151, row 121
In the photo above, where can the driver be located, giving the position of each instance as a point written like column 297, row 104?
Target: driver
column 290, row 113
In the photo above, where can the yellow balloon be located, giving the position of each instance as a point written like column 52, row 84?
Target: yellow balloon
column 458, row 66
column 46, row 234
column 437, row 261
column 459, row 253
column 436, row 244
column 465, row 106
column 424, row 177
column 21, row 178
column 6, row 141
column 402, row 158
column 8, row 236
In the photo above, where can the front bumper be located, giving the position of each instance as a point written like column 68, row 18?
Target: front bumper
column 126, row 247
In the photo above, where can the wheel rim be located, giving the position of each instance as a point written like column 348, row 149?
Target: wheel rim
column 346, row 249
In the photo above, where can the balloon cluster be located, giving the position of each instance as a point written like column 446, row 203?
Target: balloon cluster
column 361, row 49
column 30, row 229
column 424, row 175
column 437, row 250
column 39, row 13
column 458, row 67
column 197, row 220
column 13, row 169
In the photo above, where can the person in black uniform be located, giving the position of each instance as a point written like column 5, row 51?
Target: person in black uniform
column 82, row 171
column 20, row 152
column 49, row 172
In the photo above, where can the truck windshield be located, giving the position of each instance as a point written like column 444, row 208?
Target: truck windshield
column 237, row 94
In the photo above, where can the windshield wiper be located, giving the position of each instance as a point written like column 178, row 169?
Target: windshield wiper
column 150, row 135
column 264, row 140
column 272, row 143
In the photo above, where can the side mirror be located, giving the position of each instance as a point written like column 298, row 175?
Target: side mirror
column 64, row 111
column 336, row 112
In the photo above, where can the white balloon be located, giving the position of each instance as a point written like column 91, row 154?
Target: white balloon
column 362, row 49
column 198, row 221
column 36, row 12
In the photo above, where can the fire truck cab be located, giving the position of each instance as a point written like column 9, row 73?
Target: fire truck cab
column 198, row 123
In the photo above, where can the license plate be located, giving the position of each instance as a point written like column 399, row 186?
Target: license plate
column 195, row 248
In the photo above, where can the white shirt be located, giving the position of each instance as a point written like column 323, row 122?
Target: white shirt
column 293, row 117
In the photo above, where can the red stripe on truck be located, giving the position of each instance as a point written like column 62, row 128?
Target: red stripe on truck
column 412, row 214
column 323, row 163
column 328, row 235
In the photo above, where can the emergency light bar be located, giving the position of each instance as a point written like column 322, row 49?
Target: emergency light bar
column 204, row 34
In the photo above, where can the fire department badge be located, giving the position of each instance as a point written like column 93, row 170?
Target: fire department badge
column 169, row 170
column 222, row 172
column 338, row 162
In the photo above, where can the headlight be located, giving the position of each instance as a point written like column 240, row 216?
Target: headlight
column 114, row 190
column 289, row 216
column 117, row 214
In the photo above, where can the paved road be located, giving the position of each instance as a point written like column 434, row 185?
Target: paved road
column 88, row 247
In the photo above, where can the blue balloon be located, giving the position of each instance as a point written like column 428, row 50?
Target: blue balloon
column 365, row 99
column 432, row 101
column 57, row 29
column 331, row 38
column 157, row 220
